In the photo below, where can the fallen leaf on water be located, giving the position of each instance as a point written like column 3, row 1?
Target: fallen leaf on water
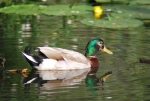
column 19, row 71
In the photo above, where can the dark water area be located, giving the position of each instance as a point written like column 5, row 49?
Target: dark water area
column 129, row 79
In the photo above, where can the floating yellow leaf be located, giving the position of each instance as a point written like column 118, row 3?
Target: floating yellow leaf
column 19, row 71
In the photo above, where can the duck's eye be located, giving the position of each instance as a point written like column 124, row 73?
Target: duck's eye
column 101, row 44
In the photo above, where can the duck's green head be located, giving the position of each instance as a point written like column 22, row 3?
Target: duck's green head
column 94, row 46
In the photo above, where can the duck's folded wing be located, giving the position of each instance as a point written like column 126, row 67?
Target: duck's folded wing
column 51, row 52
column 74, row 56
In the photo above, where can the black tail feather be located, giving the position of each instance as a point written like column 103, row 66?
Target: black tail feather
column 42, row 55
column 37, row 58
column 28, row 50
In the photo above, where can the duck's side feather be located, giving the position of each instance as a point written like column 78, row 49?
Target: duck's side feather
column 51, row 64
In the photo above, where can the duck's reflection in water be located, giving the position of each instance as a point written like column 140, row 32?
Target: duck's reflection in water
column 54, row 80
column 95, row 83
column 92, row 80
column 50, row 80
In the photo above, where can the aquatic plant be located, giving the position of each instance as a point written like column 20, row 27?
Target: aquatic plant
column 107, row 16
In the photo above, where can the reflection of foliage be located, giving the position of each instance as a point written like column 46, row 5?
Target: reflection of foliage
column 2, row 61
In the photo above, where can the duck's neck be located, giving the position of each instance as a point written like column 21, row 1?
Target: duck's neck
column 90, row 53
column 94, row 64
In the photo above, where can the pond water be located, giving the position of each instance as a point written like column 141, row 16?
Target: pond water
column 129, row 79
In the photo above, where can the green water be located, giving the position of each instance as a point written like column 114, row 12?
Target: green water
column 129, row 79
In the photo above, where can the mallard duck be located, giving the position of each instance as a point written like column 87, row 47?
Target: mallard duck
column 52, row 58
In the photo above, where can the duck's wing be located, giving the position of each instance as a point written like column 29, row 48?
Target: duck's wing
column 70, row 55
column 64, row 54
column 50, row 52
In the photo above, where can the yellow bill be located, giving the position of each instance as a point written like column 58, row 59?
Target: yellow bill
column 106, row 50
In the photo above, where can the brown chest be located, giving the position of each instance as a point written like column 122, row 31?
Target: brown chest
column 94, row 64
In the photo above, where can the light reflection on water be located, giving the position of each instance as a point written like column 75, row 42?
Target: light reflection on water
column 129, row 81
